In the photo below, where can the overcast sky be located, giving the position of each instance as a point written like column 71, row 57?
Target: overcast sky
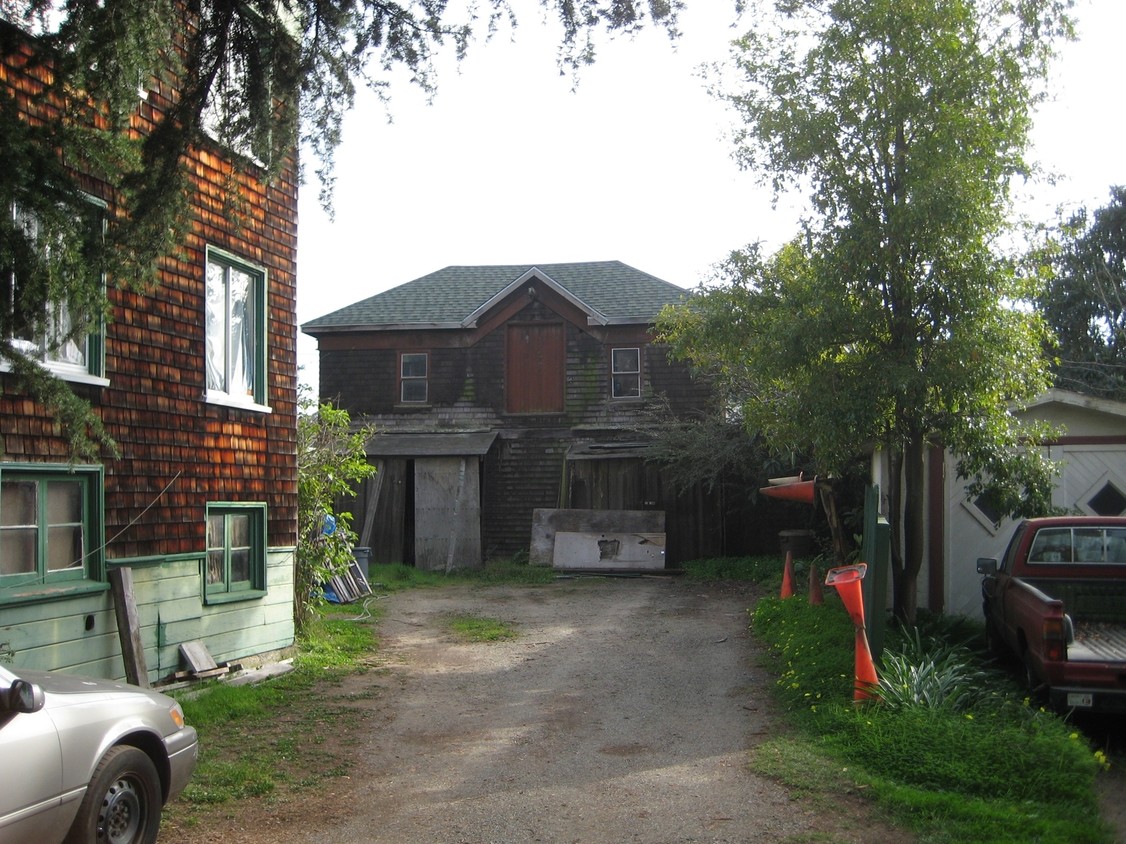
column 509, row 165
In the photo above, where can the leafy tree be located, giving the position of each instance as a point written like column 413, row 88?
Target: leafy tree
column 331, row 461
column 1085, row 300
column 890, row 321
column 261, row 76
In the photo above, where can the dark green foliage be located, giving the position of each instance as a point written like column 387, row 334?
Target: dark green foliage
column 1085, row 300
column 766, row 570
column 975, row 767
column 331, row 462
column 888, row 321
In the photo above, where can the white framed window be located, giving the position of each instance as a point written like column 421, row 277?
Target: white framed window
column 52, row 340
column 235, row 568
column 50, row 530
column 226, row 116
column 38, row 20
column 414, row 377
column 625, row 373
column 236, row 331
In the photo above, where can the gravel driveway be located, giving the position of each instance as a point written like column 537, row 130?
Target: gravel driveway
column 623, row 712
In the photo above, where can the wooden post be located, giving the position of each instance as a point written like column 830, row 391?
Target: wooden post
column 128, row 626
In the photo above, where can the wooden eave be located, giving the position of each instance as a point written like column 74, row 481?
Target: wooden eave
column 484, row 321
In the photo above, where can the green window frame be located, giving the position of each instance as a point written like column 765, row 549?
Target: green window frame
column 51, row 531
column 49, row 341
column 235, row 566
column 235, row 356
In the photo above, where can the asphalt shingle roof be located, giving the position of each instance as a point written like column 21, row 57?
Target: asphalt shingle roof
column 450, row 296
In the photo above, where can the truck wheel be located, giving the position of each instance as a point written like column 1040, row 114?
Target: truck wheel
column 1036, row 688
column 122, row 803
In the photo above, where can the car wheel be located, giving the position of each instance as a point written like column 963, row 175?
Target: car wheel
column 122, row 804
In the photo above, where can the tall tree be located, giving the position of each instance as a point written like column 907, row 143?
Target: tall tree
column 1085, row 300
column 891, row 321
column 331, row 463
column 260, row 76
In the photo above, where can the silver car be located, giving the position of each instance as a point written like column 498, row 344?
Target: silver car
column 87, row 760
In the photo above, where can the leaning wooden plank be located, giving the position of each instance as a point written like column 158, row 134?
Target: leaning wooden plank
column 128, row 625
column 197, row 657
column 374, row 486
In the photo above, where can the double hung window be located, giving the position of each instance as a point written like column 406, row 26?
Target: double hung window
column 625, row 373
column 236, row 329
column 414, row 377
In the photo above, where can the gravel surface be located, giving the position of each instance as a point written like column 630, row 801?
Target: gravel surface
column 623, row 712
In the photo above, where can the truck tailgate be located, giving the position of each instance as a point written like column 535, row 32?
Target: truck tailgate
column 1098, row 641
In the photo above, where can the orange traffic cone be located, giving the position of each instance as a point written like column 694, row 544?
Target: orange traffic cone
column 799, row 491
column 846, row 580
column 816, row 596
column 788, row 576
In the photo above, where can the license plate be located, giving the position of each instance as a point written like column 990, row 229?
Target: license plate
column 1080, row 700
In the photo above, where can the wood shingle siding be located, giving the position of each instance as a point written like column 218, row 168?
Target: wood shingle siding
column 180, row 452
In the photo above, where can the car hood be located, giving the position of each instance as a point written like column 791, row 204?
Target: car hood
column 66, row 685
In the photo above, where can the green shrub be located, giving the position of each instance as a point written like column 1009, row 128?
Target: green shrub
column 929, row 672
column 951, row 750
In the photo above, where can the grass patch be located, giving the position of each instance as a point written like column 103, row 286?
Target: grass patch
column 264, row 739
column 955, row 756
column 395, row 577
column 474, row 628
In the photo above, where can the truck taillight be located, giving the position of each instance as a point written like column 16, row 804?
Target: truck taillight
column 1055, row 639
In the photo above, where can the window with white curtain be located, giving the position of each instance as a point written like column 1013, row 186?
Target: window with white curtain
column 236, row 317
column 70, row 354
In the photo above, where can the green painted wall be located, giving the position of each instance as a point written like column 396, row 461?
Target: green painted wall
column 54, row 635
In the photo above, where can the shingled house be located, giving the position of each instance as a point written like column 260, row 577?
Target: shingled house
column 200, row 506
column 497, row 390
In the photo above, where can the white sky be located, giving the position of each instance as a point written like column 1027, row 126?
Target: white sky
column 509, row 165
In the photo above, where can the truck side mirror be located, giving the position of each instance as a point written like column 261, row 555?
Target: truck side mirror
column 986, row 566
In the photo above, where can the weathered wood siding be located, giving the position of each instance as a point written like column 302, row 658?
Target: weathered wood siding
column 447, row 513
column 468, row 388
column 81, row 636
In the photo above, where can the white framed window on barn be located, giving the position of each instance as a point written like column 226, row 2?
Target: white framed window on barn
column 414, row 377
column 236, row 331
column 625, row 373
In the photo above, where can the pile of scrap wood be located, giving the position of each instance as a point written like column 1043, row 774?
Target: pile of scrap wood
column 347, row 586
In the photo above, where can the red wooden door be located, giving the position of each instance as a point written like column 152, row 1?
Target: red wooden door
column 534, row 366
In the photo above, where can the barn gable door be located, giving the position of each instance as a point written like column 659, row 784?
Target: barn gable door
column 534, row 367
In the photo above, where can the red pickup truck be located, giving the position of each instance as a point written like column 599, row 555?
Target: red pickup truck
column 1057, row 599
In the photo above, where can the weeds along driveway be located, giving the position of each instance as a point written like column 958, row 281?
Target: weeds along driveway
column 622, row 712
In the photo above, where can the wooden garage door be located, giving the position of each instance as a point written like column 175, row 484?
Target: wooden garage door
column 534, row 364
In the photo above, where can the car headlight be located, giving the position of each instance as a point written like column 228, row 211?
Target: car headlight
column 177, row 716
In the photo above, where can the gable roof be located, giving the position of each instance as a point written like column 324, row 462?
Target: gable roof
column 610, row 293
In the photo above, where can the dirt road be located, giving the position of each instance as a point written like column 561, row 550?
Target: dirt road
column 622, row 713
